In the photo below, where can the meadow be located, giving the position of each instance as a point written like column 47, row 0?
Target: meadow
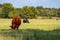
column 37, row 29
column 41, row 24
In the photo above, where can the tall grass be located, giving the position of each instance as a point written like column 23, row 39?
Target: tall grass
column 29, row 34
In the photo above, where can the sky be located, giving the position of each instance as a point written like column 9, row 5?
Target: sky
column 35, row 3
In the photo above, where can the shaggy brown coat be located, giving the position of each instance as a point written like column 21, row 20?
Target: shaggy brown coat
column 16, row 22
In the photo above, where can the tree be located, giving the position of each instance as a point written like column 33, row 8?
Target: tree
column 58, row 13
column 7, row 7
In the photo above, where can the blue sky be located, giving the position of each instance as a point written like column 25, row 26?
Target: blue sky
column 44, row 3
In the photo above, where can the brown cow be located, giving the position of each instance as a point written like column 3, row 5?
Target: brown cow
column 16, row 21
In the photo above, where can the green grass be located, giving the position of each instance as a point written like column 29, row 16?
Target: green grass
column 29, row 34
column 37, row 29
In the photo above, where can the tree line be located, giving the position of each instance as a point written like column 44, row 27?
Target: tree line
column 7, row 10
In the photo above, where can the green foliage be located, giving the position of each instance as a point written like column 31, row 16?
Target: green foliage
column 8, row 11
column 6, row 8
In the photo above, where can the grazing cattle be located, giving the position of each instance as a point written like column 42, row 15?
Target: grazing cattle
column 16, row 21
column 25, row 20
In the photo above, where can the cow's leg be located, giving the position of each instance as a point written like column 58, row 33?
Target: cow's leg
column 17, row 26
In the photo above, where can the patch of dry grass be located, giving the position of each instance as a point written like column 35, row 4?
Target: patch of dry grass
column 42, row 24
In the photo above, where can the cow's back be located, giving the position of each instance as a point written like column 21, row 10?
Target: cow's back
column 16, row 19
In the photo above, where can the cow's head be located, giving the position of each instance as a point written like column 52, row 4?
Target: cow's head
column 13, row 26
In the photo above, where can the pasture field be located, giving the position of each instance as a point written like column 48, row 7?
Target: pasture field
column 42, row 24
column 37, row 29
